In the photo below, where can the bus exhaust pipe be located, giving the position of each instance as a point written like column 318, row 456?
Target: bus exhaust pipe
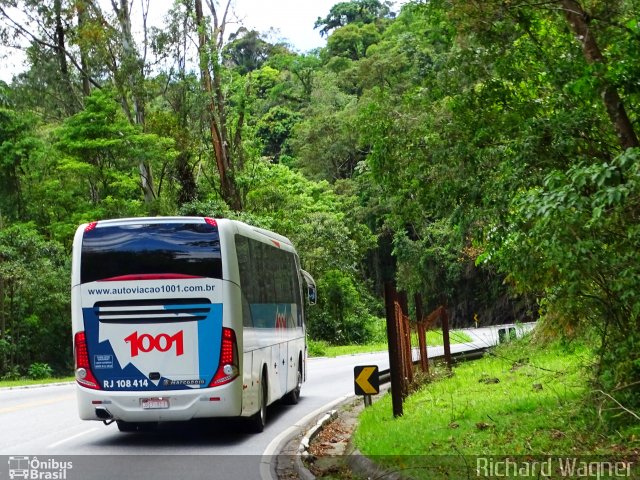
column 103, row 414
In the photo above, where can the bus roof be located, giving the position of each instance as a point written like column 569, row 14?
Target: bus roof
column 134, row 220
column 175, row 219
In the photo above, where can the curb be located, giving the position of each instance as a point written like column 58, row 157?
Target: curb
column 313, row 431
column 362, row 465
column 39, row 385
column 303, row 449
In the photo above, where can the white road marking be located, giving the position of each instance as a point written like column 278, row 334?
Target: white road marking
column 73, row 437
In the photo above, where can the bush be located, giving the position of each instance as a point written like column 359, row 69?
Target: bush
column 40, row 370
column 317, row 348
column 342, row 317
column 12, row 373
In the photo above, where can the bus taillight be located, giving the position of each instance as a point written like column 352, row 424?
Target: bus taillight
column 84, row 375
column 228, row 366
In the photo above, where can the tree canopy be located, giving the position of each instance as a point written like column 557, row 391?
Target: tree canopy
column 354, row 11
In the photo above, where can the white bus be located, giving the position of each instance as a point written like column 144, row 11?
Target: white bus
column 176, row 318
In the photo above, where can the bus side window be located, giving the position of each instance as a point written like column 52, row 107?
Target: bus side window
column 247, row 284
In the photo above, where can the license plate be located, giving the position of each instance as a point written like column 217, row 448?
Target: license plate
column 154, row 403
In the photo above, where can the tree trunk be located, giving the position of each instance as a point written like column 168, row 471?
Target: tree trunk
column 216, row 107
column 133, row 67
column 81, row 13
column 188, row 192
column 579, row 21
column 62, row 56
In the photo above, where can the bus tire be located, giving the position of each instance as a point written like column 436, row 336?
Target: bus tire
column 259, row 419
column 293, row 396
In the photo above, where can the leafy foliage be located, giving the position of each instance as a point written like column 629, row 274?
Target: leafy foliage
column 34, row 300
column 344, row 318
column 17, row 143
column 274, row 128
column 354, row 11
column 576, row 239
column 39, row 371
column 103, row 148
column 246, row 50
column 352, row 41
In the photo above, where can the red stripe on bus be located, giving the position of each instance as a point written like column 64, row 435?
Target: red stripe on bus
column 148, row 276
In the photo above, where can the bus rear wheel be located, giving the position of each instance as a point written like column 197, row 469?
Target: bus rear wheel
column 293, row 396
column 259, row 419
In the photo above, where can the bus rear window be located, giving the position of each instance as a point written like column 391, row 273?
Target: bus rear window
column 191, row 249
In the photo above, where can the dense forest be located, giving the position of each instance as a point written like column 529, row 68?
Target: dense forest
column 481, row 153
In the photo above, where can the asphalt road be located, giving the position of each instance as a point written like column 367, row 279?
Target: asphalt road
column 43, row 423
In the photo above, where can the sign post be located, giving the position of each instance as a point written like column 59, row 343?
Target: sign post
column 366, row 382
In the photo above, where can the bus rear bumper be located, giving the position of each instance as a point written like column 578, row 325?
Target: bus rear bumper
column 159, row 406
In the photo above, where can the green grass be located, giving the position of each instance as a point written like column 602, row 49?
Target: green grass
column 323, row 349
column 25, row 381
column 526, row 400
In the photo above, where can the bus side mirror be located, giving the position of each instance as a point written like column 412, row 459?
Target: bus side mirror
column 312, row 293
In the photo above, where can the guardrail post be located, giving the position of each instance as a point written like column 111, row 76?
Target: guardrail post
column 422, row 334
column 445, row 337
column 395, row 359
column 406, row 343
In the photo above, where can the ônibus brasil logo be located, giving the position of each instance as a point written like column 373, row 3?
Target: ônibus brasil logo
column 162, row 342
column 35, row 469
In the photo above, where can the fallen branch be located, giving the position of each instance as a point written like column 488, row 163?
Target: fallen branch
column 633, row 414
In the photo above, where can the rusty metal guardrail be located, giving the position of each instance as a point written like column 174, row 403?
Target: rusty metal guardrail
column 464, row 356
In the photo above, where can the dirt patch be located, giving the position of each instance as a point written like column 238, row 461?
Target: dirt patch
column 328, row 454
column 334, row 438
column 329, row 449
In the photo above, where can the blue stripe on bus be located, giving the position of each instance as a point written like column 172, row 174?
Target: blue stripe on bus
column 209, row 343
